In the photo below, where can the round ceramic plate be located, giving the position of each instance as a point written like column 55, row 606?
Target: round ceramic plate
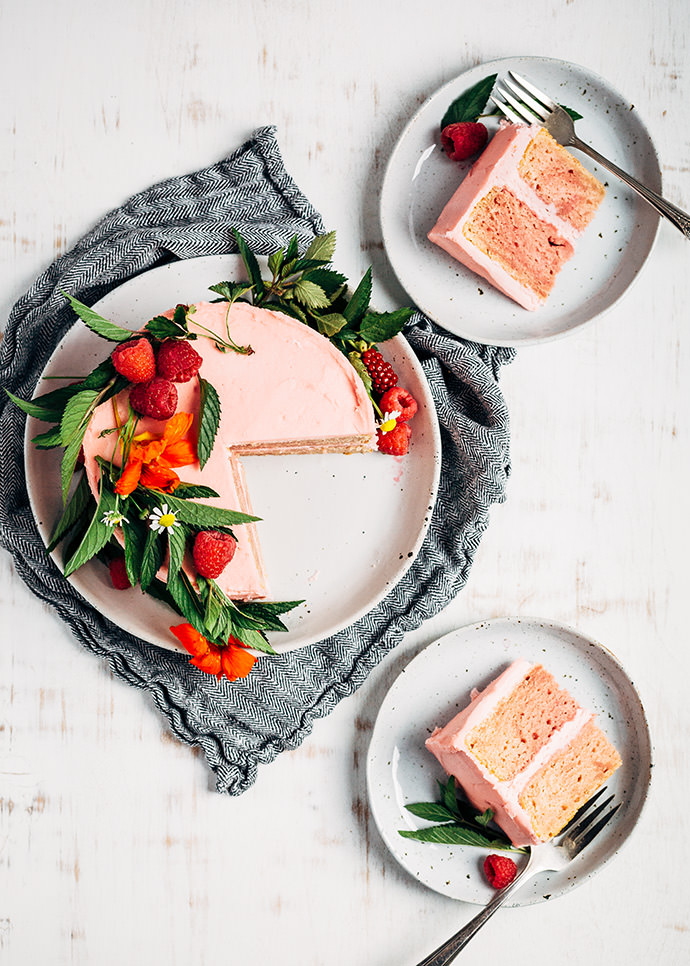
column 336, row 531
column 420, row 179
column 437, row 684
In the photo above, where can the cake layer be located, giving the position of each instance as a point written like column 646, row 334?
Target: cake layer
column 516, row 215
column 524, row 748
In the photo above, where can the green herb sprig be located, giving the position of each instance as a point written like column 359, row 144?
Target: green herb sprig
column 458, row 823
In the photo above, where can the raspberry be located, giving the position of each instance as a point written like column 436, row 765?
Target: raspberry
column 463, row 139
column 134, row 360
column 177, row 360
column 212, row 552
column 399, row 400
column 382, row 374
column 157, row 398
column 118, row 573
column 499, row 870
column 396, row 442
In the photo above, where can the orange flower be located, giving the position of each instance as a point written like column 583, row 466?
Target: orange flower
column 151, row 457
column 234, row 660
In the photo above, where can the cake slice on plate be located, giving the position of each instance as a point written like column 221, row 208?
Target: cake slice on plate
column 516, row 216
column 525, row 749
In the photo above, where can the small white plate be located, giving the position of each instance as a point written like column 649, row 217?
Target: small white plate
column 420, row 179
column 337, row 531
column 437, row 684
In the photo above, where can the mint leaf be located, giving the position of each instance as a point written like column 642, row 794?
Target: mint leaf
column 151, row 559
column 380, row 326
column 205, row 517
column 331, row 323
column 194, row 491
column 250, row 264
column 322, row 247
column 135, row 541
column 95, row 322
column 161, row 328
column 45, row 411
column 49, row 439
column 469, row 105
column 431, row 812
column 568, row 110
column 275, row 261
column 331, row 282
column 291, row 251
column 76, row 507
column 359, row 303
column 96, row 536
column 76, row 414
column 230, row 291
column 310, row 295
column 453, row 835
column 484, row 818
column 177, row 538
column 187, row 601
column 209, row 421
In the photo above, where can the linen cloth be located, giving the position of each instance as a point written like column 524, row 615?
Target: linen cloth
column 243, row 724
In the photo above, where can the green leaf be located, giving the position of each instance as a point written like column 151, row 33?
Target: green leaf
column 294, row 311
column 453, row 835
column 574, row 115
column 431, row 812
column 291, row 251
column 76, row 414
column 161, row 328
column 356, row 360
column 186, row 601
column 250, row 263
column 69, row 464
column 380, row 326
column 484, row 818
column 177, row 539
column 271, row 607
column 95, row 322
column 194, row 491
column 275, row 260
column 46, row 412
column 135, row 541
column 49, row 439
column 230, row 291
column 331, row 323
column 209, row 421
column 99, row 377
column 253, row 639
column 468, row 106
column 322, row 247
column 331, row 282
column 152, row 558
column 359, row 303
column 76, row 507
column 310, row 295
column 96, row 536
column 206, row 517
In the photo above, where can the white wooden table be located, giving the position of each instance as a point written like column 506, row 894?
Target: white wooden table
column 113, row 846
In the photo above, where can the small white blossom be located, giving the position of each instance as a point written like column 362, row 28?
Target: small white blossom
column 389, row 421
column 114, row 518
column 161, row 518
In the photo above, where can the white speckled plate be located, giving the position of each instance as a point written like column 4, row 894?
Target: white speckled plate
column 437, row 684
column 420, row 179
column 337, row 531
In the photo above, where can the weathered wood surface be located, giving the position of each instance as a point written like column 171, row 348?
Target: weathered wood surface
column 113, row 845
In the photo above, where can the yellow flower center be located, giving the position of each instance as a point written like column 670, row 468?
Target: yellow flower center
column 167, row 519
column 388, row 425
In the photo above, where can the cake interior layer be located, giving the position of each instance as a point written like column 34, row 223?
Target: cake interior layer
column 335, row 444
column 568, row 780
column 509, row 232
column 560, row 180
column 507, row 740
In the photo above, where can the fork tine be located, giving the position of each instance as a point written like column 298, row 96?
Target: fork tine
column 504, row 109
column 524, row 112
column 583, row 809
column 535, row 106
column 592, row 833
column 534, row 91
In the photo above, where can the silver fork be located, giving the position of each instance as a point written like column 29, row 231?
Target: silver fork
column 578, row 833
column 522, row 101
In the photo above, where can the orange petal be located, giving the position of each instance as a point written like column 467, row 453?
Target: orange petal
column 190, row 638
column 181, row 453
column 236, row 662
column 177, row 427
column 209, row 663
column 157, row 477
column 129, row 478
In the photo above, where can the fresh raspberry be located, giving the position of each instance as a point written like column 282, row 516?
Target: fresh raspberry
column 382, row 374
column 157, row 398
column 499, row 870
column 118, row 573
column 396, row 442
column 463, row 139
column 135, row 360
column 212, row 552
column 401, row 401
column 177, row 360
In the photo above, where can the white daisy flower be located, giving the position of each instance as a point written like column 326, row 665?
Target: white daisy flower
column 161, row 518
column 114, row 518
column 389, row 421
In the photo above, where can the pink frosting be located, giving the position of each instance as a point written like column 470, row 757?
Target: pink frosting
column 296, row 385
column 497, row 166
column 481, row 786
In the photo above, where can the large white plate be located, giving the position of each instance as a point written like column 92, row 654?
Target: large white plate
column 337, row 531
column 437, row 684
column 420, row 179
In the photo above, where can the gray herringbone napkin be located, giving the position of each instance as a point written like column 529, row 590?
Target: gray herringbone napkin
column 243, row 724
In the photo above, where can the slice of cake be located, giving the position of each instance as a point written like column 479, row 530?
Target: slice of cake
column 517, row 214
column 524, row 748
column 295, row 393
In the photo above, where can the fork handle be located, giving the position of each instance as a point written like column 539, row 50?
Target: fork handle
column 449, row 950
column 677, row 217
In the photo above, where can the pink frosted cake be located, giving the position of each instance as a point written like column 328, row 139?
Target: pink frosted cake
column 524, row 748
column 296, row 393
column 517, row 214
